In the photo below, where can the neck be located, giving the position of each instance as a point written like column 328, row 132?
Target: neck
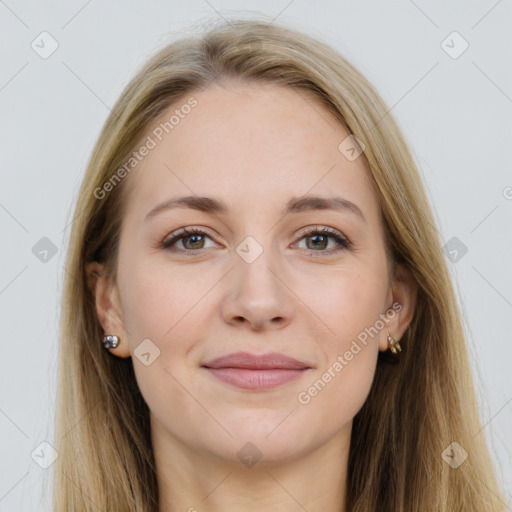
column 199, row 481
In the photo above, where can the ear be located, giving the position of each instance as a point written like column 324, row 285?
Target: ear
column 108, row 306
column 402, row 300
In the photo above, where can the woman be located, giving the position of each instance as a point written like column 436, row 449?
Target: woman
column 257, row 313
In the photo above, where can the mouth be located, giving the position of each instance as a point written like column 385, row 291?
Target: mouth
column 256, row 372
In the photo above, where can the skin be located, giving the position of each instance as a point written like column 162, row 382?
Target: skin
column 254, row 147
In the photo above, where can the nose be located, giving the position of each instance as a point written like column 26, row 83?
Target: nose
column 257, row 298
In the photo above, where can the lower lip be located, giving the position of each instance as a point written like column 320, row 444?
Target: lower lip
column 256, row 379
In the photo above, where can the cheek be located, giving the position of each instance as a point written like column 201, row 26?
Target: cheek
column 163, row 304
column 349, row 303
column 351, row 308
column 349, row 354
column 337, row 393
column 160, row 300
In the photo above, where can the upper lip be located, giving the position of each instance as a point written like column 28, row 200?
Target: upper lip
column 270, row 361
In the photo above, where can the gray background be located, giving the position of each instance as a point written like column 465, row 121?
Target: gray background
column 455, row 113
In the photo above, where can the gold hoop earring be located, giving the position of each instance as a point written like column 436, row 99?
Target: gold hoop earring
column 394, row 345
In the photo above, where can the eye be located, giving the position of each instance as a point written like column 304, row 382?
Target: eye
column 319, row 240
column 192, row 240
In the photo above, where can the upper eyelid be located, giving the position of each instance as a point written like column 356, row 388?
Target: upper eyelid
column 184, row 233
column 187, row 231
column 320, row 227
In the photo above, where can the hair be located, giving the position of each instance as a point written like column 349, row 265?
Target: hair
column 417, row 405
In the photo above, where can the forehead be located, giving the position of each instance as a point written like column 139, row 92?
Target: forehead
column 249, row 144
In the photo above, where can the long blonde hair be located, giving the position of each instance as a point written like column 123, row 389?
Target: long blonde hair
column 415, row 409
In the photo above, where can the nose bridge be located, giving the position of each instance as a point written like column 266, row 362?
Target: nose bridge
column 257, row 266
column 256, row 292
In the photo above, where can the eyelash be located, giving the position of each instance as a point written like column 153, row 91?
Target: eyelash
column 344, row 243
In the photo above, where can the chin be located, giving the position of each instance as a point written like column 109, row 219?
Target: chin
column 249, row 452
column 269, row 438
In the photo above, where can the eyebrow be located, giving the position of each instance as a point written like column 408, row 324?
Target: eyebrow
column 294, row 205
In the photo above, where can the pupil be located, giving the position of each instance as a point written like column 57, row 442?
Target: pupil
column 317, row 237
column 194, row 237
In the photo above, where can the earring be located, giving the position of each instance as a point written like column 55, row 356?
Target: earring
column 394, row 345
column 110, row 341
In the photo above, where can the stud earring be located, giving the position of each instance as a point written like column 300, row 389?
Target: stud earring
column 394, row 345
column 110, row 341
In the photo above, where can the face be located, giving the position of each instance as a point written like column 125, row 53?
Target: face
column 253, row 277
